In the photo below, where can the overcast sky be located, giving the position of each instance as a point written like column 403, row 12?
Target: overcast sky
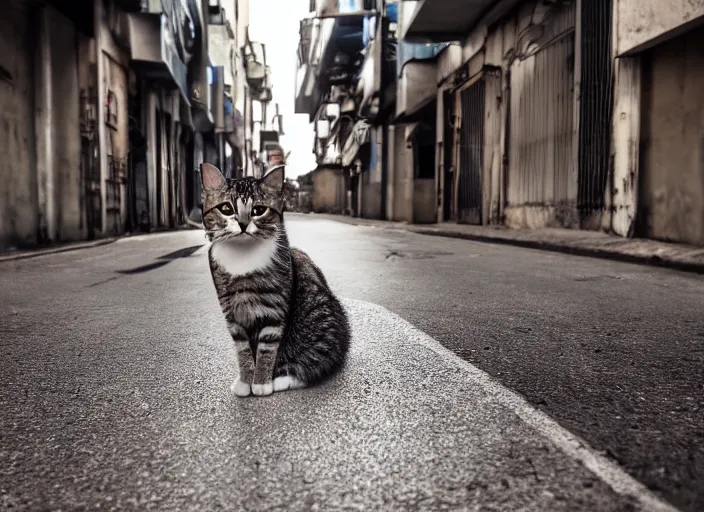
column 276, row 23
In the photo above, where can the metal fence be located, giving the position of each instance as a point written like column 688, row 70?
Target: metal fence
column 541, row 102
column 596, row 107
column 471, row 153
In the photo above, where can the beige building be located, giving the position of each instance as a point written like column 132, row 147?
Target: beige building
column 568, row 114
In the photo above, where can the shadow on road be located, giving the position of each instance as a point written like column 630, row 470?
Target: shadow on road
column 164, row 260
column 161, row 261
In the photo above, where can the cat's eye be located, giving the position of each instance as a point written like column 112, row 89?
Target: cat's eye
column 226, row 209
column 258, row 211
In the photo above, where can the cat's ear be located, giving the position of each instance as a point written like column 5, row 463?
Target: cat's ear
column 211, row 178
column 273, row 182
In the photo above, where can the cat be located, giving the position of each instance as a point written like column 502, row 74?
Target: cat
column 290, row 330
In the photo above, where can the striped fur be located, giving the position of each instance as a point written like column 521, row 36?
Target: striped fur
column 289, row 329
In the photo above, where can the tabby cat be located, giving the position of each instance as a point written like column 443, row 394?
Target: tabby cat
column 290, row 330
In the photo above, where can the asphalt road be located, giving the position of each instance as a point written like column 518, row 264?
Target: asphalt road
column 116, row 368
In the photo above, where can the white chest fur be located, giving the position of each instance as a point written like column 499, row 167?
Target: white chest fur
column 238, row 259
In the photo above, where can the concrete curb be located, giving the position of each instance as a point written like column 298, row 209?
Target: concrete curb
column 607, row 249
column 574, row 249
column 34, row 253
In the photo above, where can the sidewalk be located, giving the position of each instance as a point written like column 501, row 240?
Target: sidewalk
column 580, row 242
column 21, row 254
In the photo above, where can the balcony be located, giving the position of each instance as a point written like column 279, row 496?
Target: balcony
column 255, row 64
column 417, row 89
column 221, row 48
column 417, row 66
column 312, row 33
column 330, row 50
column 444, row 20
column 265, row 94
column 154, row 54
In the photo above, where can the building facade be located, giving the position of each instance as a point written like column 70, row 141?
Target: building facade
column 525, row 113
column 109, row 107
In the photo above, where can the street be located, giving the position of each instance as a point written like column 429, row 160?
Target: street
column 476, row 371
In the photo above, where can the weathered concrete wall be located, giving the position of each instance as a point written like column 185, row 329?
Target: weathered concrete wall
column 671, row 205
column 622, row 199
column 416, row 86
column 370, row 196
column 402, row 177
column 371, row 200
column 371, row 181
column 328, row 191
column 41, row 113
column 114, row 135
column 424, row 210
column 448, row 62
column 117, row 141
column 18, row 193
column 69, row 223
column 642, row 23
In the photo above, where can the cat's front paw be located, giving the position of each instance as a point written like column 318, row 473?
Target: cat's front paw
column 263, row 389
column 240, row 388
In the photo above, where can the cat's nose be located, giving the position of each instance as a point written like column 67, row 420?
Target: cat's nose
column 243, row 226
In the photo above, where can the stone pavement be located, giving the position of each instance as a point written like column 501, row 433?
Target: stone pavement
column 579, row 242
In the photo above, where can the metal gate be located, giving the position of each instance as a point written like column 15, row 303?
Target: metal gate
column 448, row 148
column 90, row 162
column 596, row 107
column 541, row 106
column 471, row 153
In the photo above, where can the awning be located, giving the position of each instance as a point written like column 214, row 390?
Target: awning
column 361, row 135
column 452, row 20
column 153, row 51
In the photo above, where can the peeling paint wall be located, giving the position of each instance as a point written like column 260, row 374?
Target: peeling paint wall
column 18, row 193
column 671, row 188
column 646, row 22
column 622, row 199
